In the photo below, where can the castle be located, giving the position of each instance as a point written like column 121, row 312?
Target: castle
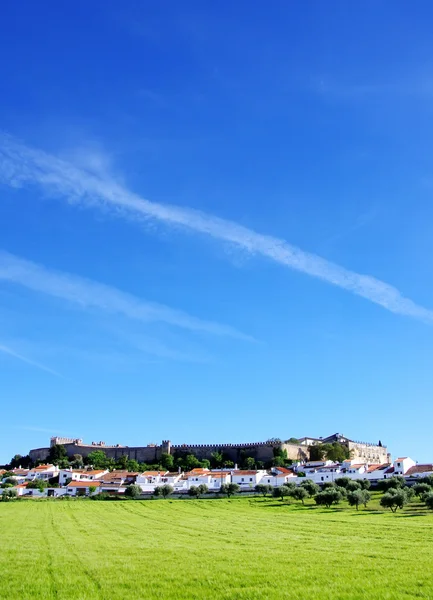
column 363, row 452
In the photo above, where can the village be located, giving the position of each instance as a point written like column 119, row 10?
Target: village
column 39, row 481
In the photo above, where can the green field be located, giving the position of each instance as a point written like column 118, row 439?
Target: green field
column 243, row 548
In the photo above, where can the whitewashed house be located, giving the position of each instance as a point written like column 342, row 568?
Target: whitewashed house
column 402, row 465
column 81, row 488
column 43, row 472
column 248, row 478
column 67, row 475
column 198, row 477
column 420, row 470
column 219, row 478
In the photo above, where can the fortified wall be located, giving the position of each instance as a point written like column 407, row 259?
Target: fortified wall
column 260, row 451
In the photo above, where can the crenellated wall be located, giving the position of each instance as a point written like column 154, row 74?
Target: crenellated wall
column 260, row 451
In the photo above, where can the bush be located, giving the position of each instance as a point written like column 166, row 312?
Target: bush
column 395, row 482
column 353, row 485
column 364, row 483
column 8, row 495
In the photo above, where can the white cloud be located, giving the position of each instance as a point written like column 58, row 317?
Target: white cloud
column 23, row 165
column 90, row 294
column 33, row 363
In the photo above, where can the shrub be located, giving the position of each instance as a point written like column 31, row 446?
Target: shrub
column 229, row 489
column 422, row 488
column 300, row 493
column 428, row 499
column 311, row 487
column 8, row 495
column 262, row 488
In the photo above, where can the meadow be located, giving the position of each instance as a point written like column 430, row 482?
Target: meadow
column 243, row 548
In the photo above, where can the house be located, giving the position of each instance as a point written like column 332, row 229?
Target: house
column 219, row 478
column 402, row 465
column 66, row 475
column 81, row 488
column 150, row 477
column 247, row 478
column 198, row 477
column 119, row 477
column 377, row 471
column 356, row 471
column 43, row 472
column 420, row 470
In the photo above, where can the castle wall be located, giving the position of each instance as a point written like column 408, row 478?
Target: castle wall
column 368, row 452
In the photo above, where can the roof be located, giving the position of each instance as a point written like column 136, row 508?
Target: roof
column 240, row 472
column 20, row 471
column 83, row 484
column 403, row 458
column 21, row 485
column 154, row 473
column 380, row 467
column 419, row 469
column 390, row 470
column 200, row 470
column 283, row 470
column 219, row 474
column 42, row 467
column 357, row 466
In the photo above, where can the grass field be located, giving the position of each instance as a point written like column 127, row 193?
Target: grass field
column 242, row 549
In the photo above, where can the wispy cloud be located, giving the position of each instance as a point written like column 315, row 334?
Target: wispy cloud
column 90, row 294
column 20, row 165
column 33, row 363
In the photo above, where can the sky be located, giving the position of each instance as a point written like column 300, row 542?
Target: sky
column 216, row 222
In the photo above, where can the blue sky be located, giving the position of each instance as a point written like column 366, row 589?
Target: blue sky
column 215, row 222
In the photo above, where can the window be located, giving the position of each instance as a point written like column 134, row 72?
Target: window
column 251, row 478
column 242, row 479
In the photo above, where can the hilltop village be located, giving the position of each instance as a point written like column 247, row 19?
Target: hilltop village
column 61, row 470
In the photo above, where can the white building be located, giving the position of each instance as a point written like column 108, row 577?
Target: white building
column 67, row 475
column 248, row 479
column 81, row 488
column 402, row 465
column 43, row 472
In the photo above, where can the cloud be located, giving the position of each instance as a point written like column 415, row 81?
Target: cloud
column 21, row 165
column 90, row 294
column 33, row 363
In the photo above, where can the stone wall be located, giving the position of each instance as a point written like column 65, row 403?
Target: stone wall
column 368, row 453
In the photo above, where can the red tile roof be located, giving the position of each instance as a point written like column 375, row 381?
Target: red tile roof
column 240, row 472
column 83, row 484
column 419, row 469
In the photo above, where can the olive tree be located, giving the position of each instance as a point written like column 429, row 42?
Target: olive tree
column 229, row 489
column 357, row 497
column 132, row 491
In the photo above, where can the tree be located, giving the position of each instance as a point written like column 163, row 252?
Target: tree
column 250, row 463
column 422, row 488
column 216, row 459
column 193, row 491
column 343, row 481
column 328, row 497
column 316, row 451
column 133, row 491
column 292, row 440
column 395, row 482
column 21, row 461
column 191, row 462
column 262, row 488
column 357, row 497
column 167, row 461
column 311, row 487
column 202, row 489
column 77, row 461
column 353, row 485
column 8, row 495
column 121, row 463
column 11, row 480
column 229, row 489
column 397, row 498
column 57, row 455
column 163, row 490
column 428, row 499
column 98, row 459
column 92, row 489
column 300, row 493
column 37, row 484
column 364, row 483
column 282, row 492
